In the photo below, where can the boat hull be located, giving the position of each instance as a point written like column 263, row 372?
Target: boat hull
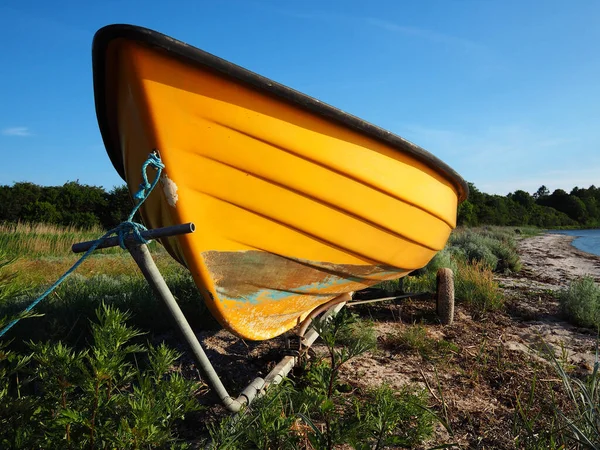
column 291, row 207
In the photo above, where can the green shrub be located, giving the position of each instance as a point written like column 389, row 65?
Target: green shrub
column 316, row 411
column 507, row 257
column 480, row 253
column 94, row 398
column 580, row 302
column 269, row 422
column 473, row 284
column 421, row 283
column 494, row 247
column 442, row 259
column 387, row 418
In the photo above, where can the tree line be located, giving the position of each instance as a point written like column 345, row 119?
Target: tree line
column 85, row 206
column 579, row 208
column 74, row 204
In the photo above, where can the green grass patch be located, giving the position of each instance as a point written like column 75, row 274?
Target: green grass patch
column 566, row 415
column 66, row 310
column 415, row 338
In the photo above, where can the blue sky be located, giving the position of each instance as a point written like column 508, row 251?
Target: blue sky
column 506, row 92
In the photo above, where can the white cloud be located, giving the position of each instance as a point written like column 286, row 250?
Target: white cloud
column 16, row 131
column 408, row 30
column 430, row 35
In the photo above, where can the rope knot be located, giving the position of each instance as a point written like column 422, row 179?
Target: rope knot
column 128, row 228
column 145, row 186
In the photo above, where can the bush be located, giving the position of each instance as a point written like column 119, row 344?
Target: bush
column 494, row 247
column 387, row 418
column 580, row 302
column 317, row 411
column 480, row 253
column 491, row 248
column 94, row 398
column 507, row 257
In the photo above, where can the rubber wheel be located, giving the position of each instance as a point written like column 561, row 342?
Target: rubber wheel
column 445, row 296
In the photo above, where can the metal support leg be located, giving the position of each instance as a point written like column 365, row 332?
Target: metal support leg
column 142, row 257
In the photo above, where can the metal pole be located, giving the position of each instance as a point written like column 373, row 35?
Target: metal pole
column 142, row 257
column 155, row 233
column 281, row 370
column 385, row 299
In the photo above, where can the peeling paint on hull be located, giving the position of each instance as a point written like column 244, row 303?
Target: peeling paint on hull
column 267, row 294
column 170, row 190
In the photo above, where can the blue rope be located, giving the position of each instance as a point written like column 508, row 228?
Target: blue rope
column 123, row 230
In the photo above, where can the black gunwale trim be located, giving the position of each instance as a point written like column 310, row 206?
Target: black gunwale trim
column 193, row 55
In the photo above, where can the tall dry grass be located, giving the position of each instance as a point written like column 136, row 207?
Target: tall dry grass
column 38, row 239
column 35, row 240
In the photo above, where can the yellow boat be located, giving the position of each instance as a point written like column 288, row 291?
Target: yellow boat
column 295, row 202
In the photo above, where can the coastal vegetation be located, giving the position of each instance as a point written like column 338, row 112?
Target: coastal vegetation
column 95, row 365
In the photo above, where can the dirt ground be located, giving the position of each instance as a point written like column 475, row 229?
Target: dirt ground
column 475, row 382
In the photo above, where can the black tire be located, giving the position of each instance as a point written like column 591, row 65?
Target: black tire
column 445, row 296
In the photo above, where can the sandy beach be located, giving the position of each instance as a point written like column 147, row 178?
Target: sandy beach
column 550, row 263
column 552, row 259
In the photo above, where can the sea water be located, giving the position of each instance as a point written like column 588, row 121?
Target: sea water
column 586, row 240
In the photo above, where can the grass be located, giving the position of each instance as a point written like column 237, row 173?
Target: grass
column 580, row 302
column 415, row 338
column 567, row 416
column 35, row 240
column 66, row 310
column 474, row 283
column 42, row 240
column 117, row 392
column 475, row 286
column 113, row 277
